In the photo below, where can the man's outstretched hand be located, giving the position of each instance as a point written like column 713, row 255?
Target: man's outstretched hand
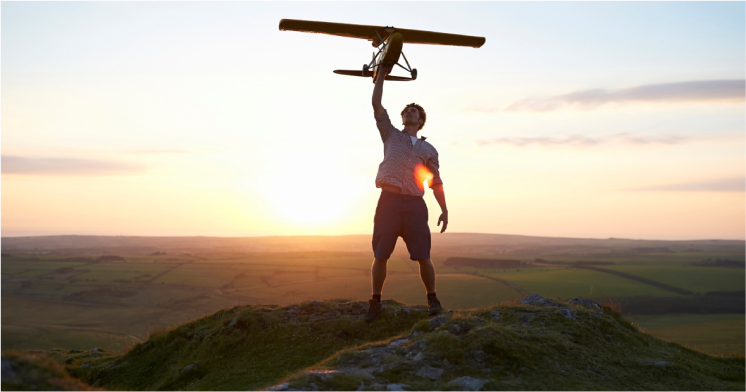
column 443, row 218
column 384, row 69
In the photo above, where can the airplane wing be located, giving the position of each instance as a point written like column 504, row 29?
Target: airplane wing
column 368, row 32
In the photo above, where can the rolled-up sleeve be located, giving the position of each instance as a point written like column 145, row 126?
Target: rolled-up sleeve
column 434, row 166
column 384, row 125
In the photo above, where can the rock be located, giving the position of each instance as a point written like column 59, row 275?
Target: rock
column 406, row 311
column 279, row 387
column 430, row 372
column 495, row 314
column 420, row 356
column 234, row 321
column 7, row 370
column 313, row 386
column 585, row 302
column 334, row 313
column 322, row 374
column 361, row 387
column 393, row 387
column 438, row 321
column 568, row 314
column 421, row 344
column 96, row 350
column 478, row 320
column 189, row 367
column 537, row 300
column 398, row 343
column 467, row 383
column 656, row 363
column 455, row 328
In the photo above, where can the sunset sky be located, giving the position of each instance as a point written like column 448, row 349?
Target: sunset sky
column 586, row 119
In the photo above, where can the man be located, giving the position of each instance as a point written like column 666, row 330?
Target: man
column 401, row 211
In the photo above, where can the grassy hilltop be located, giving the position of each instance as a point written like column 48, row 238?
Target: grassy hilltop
column 526, row 344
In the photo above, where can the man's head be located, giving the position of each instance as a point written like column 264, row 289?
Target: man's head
column 414, row 114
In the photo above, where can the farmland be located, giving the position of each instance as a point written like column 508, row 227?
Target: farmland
column 71, row 292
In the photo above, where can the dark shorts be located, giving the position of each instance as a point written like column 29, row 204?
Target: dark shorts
column 401, row 216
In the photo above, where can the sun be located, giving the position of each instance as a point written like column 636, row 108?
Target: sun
column 314, row 191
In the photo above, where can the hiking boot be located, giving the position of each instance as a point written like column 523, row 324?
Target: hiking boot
column 373, row 310
column 433, row 306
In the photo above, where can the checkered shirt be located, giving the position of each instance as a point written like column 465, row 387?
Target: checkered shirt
column 400, row 159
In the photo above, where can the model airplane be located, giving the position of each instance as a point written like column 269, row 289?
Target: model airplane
column 388, row 40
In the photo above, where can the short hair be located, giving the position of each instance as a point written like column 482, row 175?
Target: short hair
column 419, row 108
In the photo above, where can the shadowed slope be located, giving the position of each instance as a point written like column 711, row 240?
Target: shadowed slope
column 244, row 348
column 532, row 344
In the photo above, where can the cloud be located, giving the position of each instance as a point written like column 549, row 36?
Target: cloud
column 694, row 91
column 584, row 141
column 64, row 166
column 723, row 185
column 164, row 151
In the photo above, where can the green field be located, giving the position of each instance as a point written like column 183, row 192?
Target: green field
column 48, row 303
column 696, row 279
column 717, row 334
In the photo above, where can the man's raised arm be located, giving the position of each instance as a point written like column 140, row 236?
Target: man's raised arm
column 378, row 89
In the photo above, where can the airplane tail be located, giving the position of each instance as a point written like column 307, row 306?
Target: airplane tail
column 369, row 75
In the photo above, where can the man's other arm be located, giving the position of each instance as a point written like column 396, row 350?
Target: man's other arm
column 378, row 89
column 440, row 196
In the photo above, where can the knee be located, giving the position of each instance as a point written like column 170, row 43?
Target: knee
column 424, row 261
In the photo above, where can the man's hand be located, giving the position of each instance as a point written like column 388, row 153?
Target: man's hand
column 384, row 69
column 443, row 218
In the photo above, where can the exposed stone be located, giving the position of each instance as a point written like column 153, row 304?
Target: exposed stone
column 568, row 313
column 467, row 383
column 322, row 373
column 279, row 387
column 478, row 320
column 656, row 363
column 7, row 369
column 438, row 321
column 495, row 314
column 537, row 300
column 421, row 344
column 455, row 328
column 189, row 367
column 420, row 356
column 394, row 387
column 430, row 372
column 313, row 386
column 585, row 302
column 233, row 322
column 398, row 343
column 406, row 311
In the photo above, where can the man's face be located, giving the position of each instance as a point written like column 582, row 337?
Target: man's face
column 411, row 116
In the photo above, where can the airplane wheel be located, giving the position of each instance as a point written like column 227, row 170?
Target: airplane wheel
column 414, row 74
column 365, row 69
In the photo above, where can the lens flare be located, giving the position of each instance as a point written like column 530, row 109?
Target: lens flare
column 422, row 174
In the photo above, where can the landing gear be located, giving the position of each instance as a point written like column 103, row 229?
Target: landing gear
column 414, row 74
column 365, row 70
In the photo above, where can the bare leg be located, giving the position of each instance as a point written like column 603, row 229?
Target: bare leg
column 427, row 273
column 378, row 275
